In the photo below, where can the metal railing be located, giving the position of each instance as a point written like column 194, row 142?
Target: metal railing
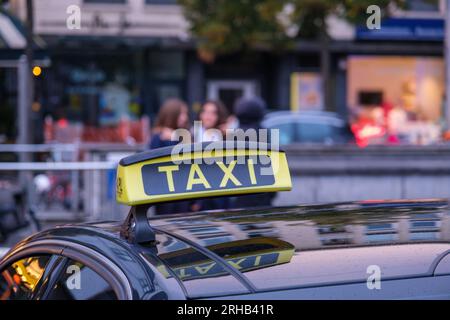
column 91, row 182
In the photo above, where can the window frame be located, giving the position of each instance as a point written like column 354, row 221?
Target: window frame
column 28, row 253
column 56, row 276
column 41, row 282
column 68, row 250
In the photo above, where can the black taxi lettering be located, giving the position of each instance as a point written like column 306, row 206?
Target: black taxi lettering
column 164, row 178
column 213, row 269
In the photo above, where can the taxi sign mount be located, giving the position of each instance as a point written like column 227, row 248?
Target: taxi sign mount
column 194, row 171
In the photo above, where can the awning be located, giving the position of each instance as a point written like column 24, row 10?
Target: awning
column 13, row 42
column 12, row 32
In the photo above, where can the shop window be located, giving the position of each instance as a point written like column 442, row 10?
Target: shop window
column 166, row 73
column 98, row 92
column 166, row 65
column 166, row 91
column 405, row 95
column 8, row 103
column 370, row 98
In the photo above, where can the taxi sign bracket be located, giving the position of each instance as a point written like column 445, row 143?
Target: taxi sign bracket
column 136, row 228
column 169, row 174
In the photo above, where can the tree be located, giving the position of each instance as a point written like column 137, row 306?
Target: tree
column 226, row 26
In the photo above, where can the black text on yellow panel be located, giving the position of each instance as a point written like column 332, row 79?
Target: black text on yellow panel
column 198, row 172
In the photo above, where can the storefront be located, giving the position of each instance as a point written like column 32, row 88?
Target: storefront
column 99, row 89
column 389, row 83
column 246, row 74
column 93, row 89
column 404, row 95
column 12, row 48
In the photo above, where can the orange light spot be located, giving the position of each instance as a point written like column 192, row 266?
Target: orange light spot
column 17, row 279
column 37, row 71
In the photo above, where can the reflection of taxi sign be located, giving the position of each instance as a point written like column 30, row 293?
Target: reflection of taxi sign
column 200, row 171
column 243, row 255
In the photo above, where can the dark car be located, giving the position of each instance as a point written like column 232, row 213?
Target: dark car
column 360, row 250
column 303, row 252
column 309, row 127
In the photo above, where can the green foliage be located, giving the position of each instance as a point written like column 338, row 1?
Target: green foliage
column 225, row 26
column 310, row 15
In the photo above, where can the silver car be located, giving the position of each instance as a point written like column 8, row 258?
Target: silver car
column 311, row 127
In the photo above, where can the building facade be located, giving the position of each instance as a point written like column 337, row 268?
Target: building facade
column 125, row 57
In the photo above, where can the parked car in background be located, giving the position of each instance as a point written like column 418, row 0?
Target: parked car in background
column 312, row 127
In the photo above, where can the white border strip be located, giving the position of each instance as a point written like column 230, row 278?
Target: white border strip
column 56, row 166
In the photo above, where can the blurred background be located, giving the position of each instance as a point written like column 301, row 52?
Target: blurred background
column 356, row 88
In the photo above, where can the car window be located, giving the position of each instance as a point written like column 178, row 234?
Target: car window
column 19, row 280
column 286, row 131
column 316, row 132
column 79, row 282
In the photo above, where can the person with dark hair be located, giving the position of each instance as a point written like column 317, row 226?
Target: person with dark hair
column 213, row 116
column 172, row 115
column 250, row 112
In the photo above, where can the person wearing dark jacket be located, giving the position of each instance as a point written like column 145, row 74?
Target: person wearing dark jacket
column 250, row 112
column 172, row 115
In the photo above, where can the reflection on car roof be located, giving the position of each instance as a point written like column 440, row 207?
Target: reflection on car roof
column 333, row 244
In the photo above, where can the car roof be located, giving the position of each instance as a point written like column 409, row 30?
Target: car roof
column 306, row 245
column 302, row 112
column 322, row 117
column 104, row 238
column 331, row 243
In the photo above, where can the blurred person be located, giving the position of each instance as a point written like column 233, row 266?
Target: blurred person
column 172, row 115
column 213, row 116
column 387, row 109
column 250, row 113
column 397, row 123
column 232, row 122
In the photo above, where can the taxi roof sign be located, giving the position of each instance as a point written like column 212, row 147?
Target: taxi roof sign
column 192, row 171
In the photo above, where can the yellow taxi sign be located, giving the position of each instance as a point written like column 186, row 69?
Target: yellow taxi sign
column 195, row 171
